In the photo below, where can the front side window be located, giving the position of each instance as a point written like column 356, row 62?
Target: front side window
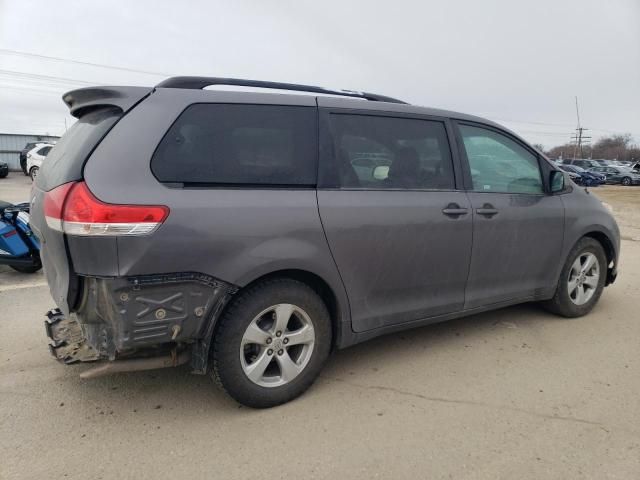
column 373, row 152
column 227, row 144
column 499, row 164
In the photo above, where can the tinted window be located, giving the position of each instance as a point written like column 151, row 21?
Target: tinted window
column 499, row 164
column 386, row 152
column 239, row 144
column 65, row 161
column 44, row 151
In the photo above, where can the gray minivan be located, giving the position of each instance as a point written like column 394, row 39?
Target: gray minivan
column 249, row 234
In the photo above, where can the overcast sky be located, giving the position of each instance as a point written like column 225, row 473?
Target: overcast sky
column 517, row 62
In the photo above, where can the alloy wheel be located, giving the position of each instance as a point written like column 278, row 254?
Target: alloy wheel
column 277, row 345
column 583, row 278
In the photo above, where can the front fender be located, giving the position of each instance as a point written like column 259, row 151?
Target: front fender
column 585, row 215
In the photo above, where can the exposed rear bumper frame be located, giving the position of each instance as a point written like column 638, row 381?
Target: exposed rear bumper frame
column 130, row 319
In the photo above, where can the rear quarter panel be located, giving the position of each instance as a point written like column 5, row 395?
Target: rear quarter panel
column 235, row 235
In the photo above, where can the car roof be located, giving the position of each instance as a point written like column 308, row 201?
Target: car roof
column 197, row 88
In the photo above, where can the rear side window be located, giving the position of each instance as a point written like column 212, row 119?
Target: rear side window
column 227, row 144
column 66, row 159
column 377, row 152
column 44, row 151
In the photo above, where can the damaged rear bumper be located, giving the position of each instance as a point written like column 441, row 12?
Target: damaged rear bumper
column 141, row 318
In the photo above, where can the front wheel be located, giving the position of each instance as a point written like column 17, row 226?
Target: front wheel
column 581, row 281
column 33, row 173
column 626, row 181
column 271, row 343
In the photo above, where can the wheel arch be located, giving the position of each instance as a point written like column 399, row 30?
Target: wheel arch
column 606, row 243
column 609, row 250
column 338, row 311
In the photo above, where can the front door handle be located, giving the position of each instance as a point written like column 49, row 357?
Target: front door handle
column 487, row 210
column 454, row 210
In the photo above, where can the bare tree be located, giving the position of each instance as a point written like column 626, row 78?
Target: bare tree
column 613, row 147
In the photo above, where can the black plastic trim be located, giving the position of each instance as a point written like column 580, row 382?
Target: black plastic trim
column 198, row 83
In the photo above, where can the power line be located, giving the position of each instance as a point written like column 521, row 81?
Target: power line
column 34, row 90
column 549, row 134
column 614, row 132
column 80, row 62
column 545, row 124
column 49, row 78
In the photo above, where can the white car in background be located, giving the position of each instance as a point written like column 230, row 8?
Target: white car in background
column 35, row 157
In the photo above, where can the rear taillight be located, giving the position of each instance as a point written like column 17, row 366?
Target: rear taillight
column 72, row 208
column 53, row 203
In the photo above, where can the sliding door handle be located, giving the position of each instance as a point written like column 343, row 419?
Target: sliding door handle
column 487, row 210
column 453, row 210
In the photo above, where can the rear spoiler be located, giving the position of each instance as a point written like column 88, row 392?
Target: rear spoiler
column 83, row 100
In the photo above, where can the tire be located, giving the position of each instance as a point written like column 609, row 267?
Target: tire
column 33, row 173
column 565, row 302
column 4, row 174
column 235, row 356
column 626, row 181
column 30, row 269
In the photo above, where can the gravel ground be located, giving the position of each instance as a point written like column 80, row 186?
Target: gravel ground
column 515, row 393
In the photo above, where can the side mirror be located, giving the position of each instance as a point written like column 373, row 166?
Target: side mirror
column 556, row 181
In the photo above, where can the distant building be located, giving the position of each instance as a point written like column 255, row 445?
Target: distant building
column 11, row 144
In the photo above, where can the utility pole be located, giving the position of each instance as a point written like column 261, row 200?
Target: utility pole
column 579, row 138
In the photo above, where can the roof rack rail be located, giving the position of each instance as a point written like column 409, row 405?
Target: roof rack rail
column 202, row 82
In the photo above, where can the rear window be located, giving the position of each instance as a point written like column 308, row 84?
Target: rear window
column 66, row 159
column 44, row 151
column 221, row 144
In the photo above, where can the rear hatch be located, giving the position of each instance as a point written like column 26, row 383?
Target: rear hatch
column 97, row 110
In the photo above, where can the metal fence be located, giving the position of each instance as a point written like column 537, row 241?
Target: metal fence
column 11, row 144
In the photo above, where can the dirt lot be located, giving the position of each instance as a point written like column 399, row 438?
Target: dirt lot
column 516, row 393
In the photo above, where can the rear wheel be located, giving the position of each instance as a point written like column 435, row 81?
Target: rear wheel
column 33, row 173
column 626, row 181
column 271, row 343
column 581, row 281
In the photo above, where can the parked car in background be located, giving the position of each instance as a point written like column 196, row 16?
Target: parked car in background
column 602, row 162
column 250, row 234
column 620, row 163
column 582, row 163
column 585, row 177
column 36, row 156
column 573, row 175
column 576, row 178
column 619, row 175
column 4, row 169
column 23, row 156
column 598, row 178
